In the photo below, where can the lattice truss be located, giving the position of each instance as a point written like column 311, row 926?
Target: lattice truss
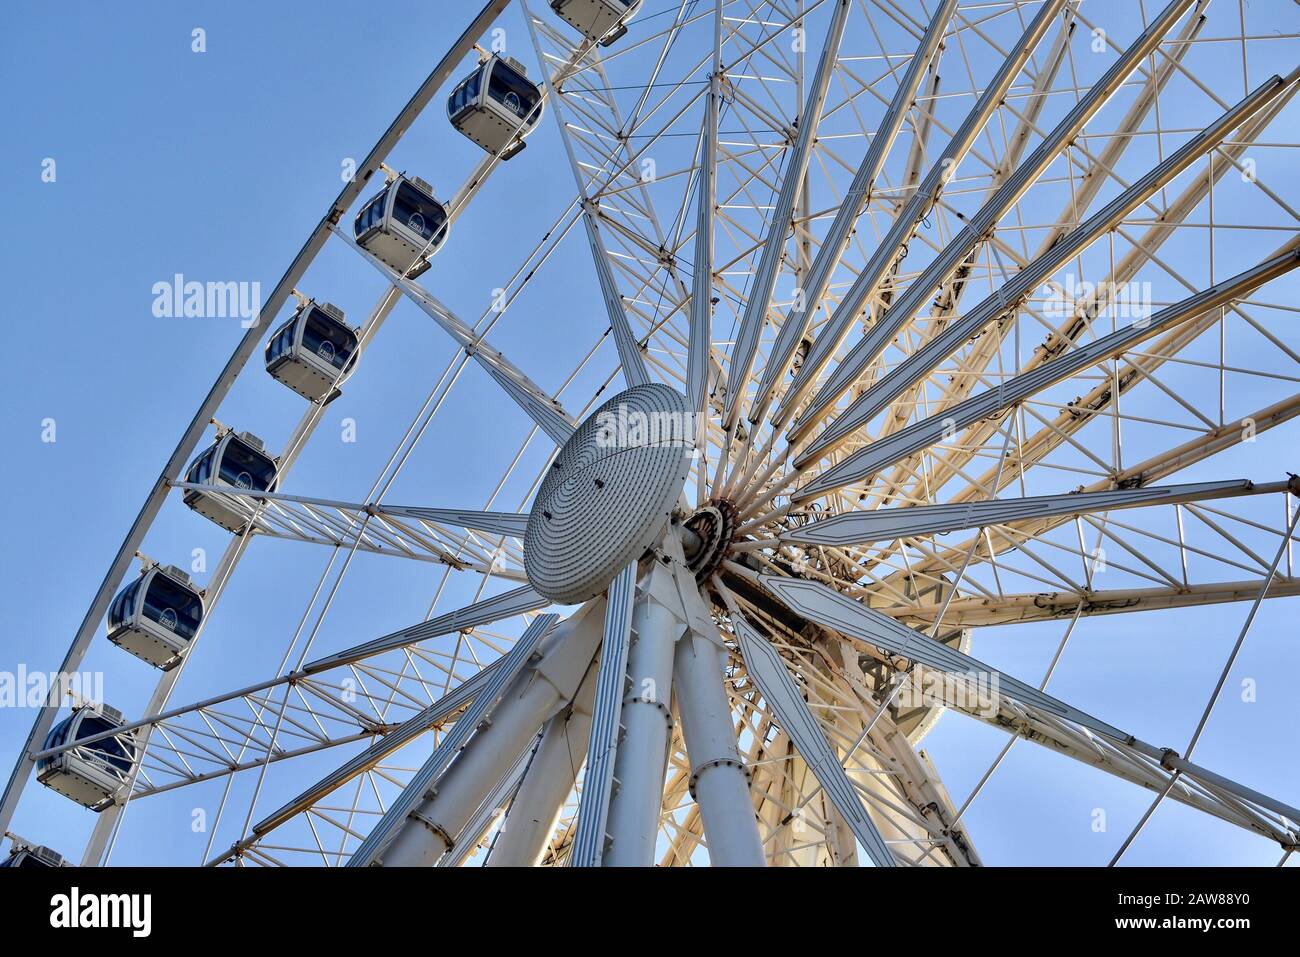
column 987, row 308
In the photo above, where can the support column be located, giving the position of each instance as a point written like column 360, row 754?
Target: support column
column 642, row 758
column 719, row 781
column 550, row 778
column 531, row 700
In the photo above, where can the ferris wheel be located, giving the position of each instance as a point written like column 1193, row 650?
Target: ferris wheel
column 922, row 324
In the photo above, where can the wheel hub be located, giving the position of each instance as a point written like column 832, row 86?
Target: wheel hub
column 715, row 526
column 609, row 493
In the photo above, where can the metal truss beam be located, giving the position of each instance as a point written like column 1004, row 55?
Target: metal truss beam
column 773, row 680
column 927, row 194
column 402, row 531
column 1146, row 766
column 631, row 359
column 484, row 701
column 1051, row 606
column 1033, row 707
column 982, row 223
column 902, row 789
column 856, row 199
column 514, row 602
column 1084, row 189
column 1138, row 475
column 706, row 186
column 431, row 717
column 829, row 608
column 1004, row 302
column 796, row 167
column 1085, row 314
column 545, row 411
column 871, row 459
column 860, row 528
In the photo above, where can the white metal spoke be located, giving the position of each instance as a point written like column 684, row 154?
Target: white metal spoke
column 833, row 610
column 857, row 196
column 854, row 364
column 545, row 411
column 923, row 360
column 593, row 810
column 857, row 528
column 868, row 461
column 419, row 786
column 769, row 673
column 796, row 167
column 514, row 602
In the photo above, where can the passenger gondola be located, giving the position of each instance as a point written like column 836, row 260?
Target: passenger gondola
column 27, row 855
column 403, row 225
column 313, row 352
column 602, row 20
column 94, row 774
column 496, row 106
column 157, row 616
column 235, row 459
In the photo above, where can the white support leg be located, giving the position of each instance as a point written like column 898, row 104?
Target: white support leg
column 719, row 782
column 535, row 810
column 642, row 758
column 531, row 700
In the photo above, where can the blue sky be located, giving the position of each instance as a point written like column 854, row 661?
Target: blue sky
column 216, row 165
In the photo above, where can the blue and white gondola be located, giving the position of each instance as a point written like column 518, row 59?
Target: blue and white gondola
column 313, row 352
column 157, row 616
column 238, row 460
column 403, row 225
column 96, row 774
column 496, row 106
column 601, row 20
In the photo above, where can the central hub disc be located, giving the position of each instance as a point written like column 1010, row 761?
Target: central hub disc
column 610, row 492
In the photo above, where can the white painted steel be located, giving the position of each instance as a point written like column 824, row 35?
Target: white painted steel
column 647, row 720
column 531, row 700
column 719, row 778
column 552, row 771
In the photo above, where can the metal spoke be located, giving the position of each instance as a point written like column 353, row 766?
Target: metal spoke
column 870, row 460
column 774, row 682
column 514, row 602
column 901, row 312
column 493, row 688
column 860, row 528
column 598, row 782
column 796, row 167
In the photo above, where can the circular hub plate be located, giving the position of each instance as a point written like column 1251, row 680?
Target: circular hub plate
column 610, row 492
